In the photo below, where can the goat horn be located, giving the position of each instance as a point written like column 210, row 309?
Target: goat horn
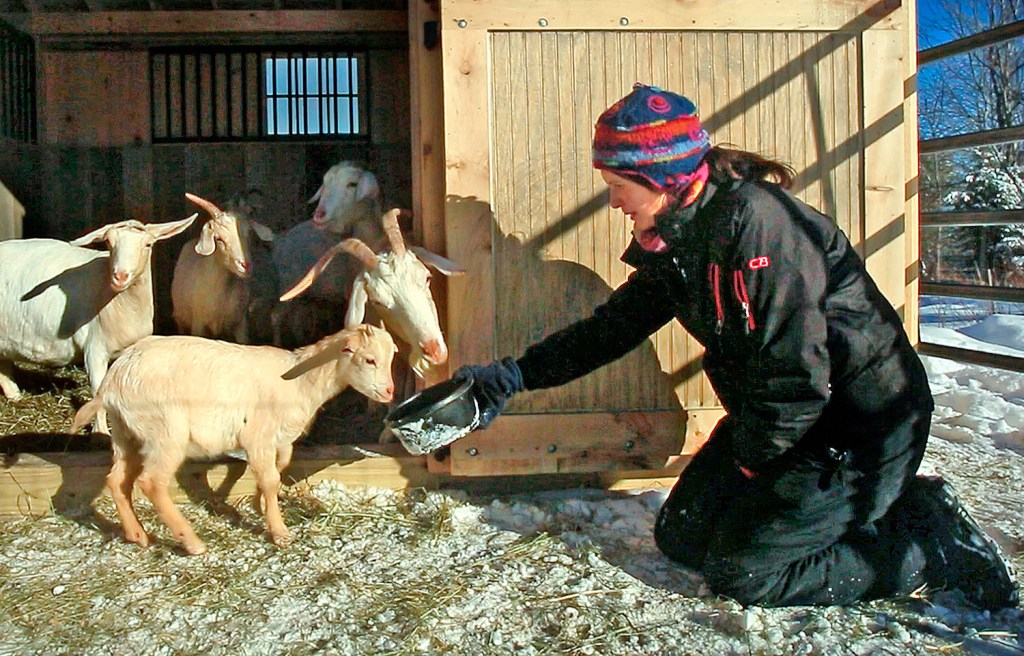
column 394, row 232
column 205, row 204
column 360, row 251
column 352, row 246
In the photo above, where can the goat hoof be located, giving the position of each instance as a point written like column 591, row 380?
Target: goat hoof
column 283, row 541
column 141, row 538
column 196, row 549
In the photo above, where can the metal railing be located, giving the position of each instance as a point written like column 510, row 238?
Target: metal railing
column 972, row 218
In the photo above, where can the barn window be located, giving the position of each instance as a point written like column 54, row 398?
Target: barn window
column 312, row 95
column 238, row 94
column 17, row 86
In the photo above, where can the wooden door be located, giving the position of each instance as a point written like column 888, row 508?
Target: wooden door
column 818, row 84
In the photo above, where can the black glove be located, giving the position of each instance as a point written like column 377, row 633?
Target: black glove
column 493, row 385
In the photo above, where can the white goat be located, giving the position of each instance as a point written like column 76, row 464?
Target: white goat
column 176, row 397
column 348, row 205
column 210, row 287
column 396, row 284
column 61, row 303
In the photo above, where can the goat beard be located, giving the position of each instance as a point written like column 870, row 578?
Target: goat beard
column 419, row 363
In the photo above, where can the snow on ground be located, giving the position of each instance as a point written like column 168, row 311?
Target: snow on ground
column 443, row 572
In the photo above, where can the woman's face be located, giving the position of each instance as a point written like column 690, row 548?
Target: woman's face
column 638, row 203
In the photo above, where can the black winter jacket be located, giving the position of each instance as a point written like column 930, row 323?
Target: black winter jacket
column 799, row 342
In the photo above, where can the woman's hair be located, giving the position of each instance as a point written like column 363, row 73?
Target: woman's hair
column 743, row 165
column 728, row 163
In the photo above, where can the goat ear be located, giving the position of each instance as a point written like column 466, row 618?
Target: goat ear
column 171, row 228
column 368, row 187
column 353, row 342
column 262, row 231
column 99, row 234
column 318, row 359
column 435, row 261
column 332, row 350
column 205, row 244
column 356, row 304
column 315, row 197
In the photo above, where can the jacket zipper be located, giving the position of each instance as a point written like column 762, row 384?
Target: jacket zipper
column 739, row 287
column 714, row 278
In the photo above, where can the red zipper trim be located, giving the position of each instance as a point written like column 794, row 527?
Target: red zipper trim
column 714, row 275
column 739, row 287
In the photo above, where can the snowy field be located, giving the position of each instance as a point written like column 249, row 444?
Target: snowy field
column 567, row 572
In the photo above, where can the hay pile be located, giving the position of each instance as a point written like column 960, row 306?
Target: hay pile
column 39, row 420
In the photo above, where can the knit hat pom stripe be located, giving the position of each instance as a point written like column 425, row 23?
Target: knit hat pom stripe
column 653, row 133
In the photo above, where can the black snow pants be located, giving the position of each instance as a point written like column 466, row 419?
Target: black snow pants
column 821, row 529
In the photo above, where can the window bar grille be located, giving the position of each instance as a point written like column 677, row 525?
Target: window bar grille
column 168, row 119
column 196, row 89
column 10, row 91
column 182, row 101
column 300, row 87
column 207, row 66
column 17, row 86
column 296, row 94
column 321, row 64
column 8, row 96
column 216, row 75
column 332, row 85
column 353, row 81
column 252, row 93
column 244, row 109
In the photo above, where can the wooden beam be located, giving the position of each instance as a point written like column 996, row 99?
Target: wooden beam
column 36, row 484
column 980, row 218
column 972, row 42
column 978, row 292
column 912, row 202
column 970, row 356
column 848, row 16
column 581, row 442
column 148, row 23
column 885, row 223
column 972, row 140
column 44, row 483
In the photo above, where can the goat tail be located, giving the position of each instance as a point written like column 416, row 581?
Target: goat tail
column 86, row 414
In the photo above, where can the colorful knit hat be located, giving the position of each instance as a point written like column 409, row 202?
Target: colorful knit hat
column 651, row 133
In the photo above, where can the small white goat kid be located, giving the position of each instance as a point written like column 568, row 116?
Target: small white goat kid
column 210, row 287
column 177, row 397
column 396, row 284
column 61, row 303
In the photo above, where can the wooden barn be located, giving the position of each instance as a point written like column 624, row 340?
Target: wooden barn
column 477, row 115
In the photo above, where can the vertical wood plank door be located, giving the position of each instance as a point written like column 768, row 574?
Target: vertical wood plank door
column 528, row 215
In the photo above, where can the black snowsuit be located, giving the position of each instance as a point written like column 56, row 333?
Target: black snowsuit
column 827, row 402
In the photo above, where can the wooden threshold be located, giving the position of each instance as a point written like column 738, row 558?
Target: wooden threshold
column 41, row 484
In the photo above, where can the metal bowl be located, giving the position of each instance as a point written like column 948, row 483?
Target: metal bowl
column 437, row 416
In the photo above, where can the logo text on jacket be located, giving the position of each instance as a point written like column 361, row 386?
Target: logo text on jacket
column 758, row 263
